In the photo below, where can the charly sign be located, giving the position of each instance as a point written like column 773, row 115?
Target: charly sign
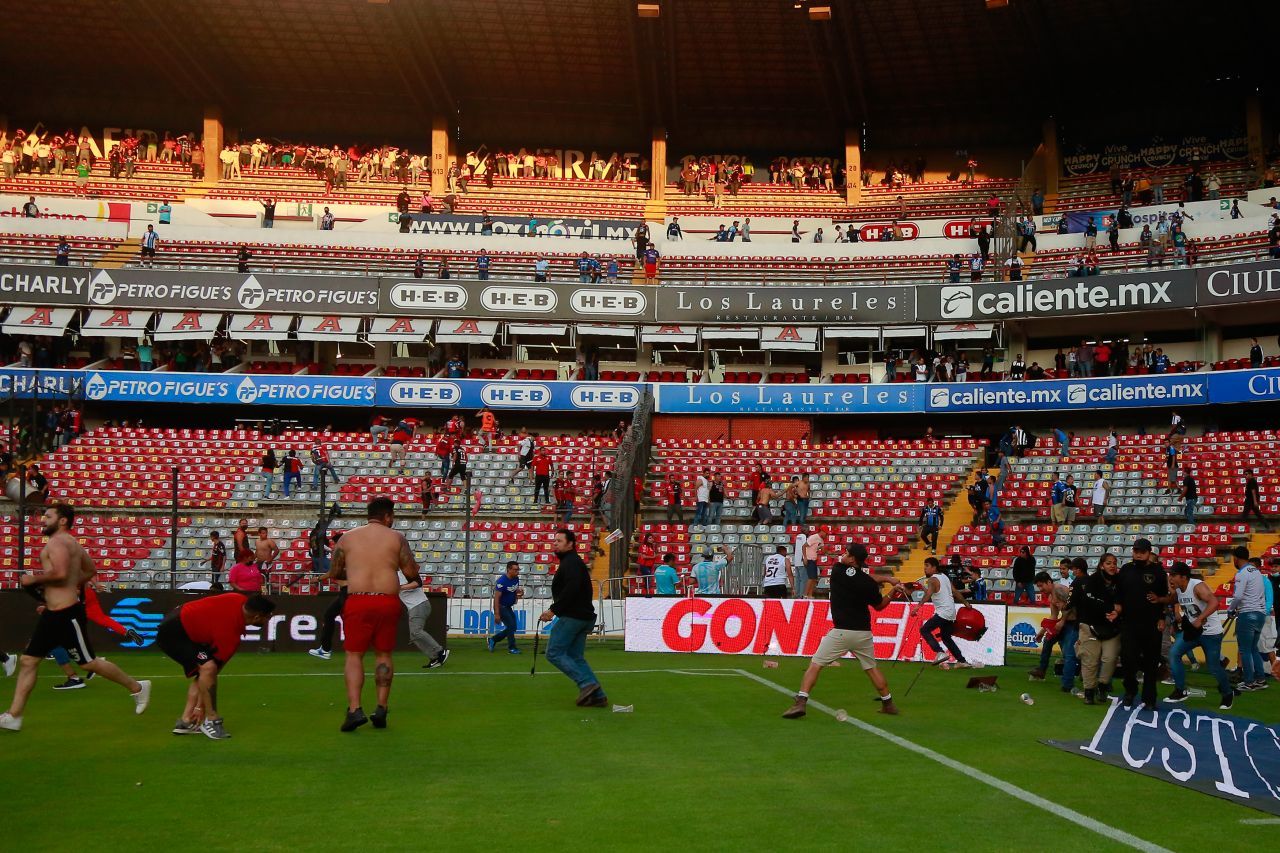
column 1058, row 297
column 1228, row 757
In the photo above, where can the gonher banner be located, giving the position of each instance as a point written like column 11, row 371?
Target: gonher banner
column 1252, row 282
column 1121, row 392
column 1229, row 757
column 794, row 628
column 788, row 399
column 889, row 303
column 293, row 626
column 118, row 386
column 1148, row 291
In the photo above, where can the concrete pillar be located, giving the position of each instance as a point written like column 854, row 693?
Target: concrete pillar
column 1255, row 133
column 852, row 167
column 1211, row 350
column 212, row 140
column 1015, row 342
column 439, row 155
column 658, row 165
column 1052, row 155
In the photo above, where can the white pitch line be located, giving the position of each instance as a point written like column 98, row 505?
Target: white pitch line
column 732, row 673
column 1108, row 832
column 1261, row 821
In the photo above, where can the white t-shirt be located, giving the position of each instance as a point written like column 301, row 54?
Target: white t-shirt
column 704, row 490
column 411, row 598
column 944, row 601
column 526, row 446
column 775, row 570
column 797, row 559
column 1193, row 607
column 813, row 547
column 1099, row 492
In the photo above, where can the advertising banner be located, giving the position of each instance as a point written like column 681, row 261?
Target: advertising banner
column 1227, row 285
column 508, row 394
column 1232, row 758
column 1154, row 152
column 474, row 617
column 732, row 398
column 452, row 224
column 509, row 300
column 1121, row 392
column 1244, row 386
column 785, row 627
column 1147, row 291
column 293, row 627
column 889, row 303
column 1024, row 622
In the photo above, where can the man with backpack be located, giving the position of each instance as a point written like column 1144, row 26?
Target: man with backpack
column 930, row 521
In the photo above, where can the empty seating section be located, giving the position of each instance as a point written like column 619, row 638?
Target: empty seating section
column 117, row 544
column 854, row 479
column 879, row 203
column 41, row 248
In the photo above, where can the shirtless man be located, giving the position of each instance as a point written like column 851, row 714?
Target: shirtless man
column 265, row 549
column 368, row 558
column 64, row 569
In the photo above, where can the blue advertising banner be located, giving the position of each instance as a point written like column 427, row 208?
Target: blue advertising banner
column 788, row 399
column 118, row 386
column 1121, row 392
column 1244, row 386
column 1228, row 757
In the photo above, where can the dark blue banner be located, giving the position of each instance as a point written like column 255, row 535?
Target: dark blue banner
column 1228, row 757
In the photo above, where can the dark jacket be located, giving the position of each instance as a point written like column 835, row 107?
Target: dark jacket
column 1093, row 600
column 1024, row 569
column 571, row 590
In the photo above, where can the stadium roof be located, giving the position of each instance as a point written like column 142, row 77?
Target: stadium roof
column 757, row 73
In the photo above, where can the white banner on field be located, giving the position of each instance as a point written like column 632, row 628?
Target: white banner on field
column 792, row 628
column 473, row 617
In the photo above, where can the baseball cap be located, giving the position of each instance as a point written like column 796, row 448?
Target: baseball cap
column 1142, row 545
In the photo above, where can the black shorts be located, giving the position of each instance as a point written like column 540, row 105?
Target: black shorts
column 457, row 471
column 148, row 253
column 172, row 639
column 525, row 462
column 776, row 591
column 65, row 628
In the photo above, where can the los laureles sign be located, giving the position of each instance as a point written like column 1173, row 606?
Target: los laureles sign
column 1228, row 757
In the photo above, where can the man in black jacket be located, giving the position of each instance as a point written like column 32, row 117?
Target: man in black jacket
column 1095, row 600
column 1144, row 595
column 571, row 607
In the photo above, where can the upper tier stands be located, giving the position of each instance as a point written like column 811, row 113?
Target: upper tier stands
column 1093, row 191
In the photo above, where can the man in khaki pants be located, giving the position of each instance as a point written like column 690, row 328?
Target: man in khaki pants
column 1096, row 603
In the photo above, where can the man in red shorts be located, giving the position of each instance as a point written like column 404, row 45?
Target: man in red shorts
column 202, row 636
column 368, row 559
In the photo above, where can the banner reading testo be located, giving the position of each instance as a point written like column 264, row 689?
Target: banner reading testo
column 792, row 628
column 1227, row 757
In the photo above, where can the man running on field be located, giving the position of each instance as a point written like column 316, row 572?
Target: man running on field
column 368, row 558
column 65, row 568
column 202, row 636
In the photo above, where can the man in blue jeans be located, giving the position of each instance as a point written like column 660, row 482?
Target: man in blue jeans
column 1199, row 624
column 1190, row 494
column 1249, row 605
column 506, row 591
column 571, row 607
column 1065, row 631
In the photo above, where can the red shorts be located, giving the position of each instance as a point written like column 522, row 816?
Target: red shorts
column 370, row 619
column 651, row 270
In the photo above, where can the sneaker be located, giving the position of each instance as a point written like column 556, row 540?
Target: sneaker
column 887, row 707
column 489, row 642
column 1169, row 682
column 1177, row 696
column 319, row 653
column 586, row 693
column 942, row 658
column 70, row 684
column 182, row 727
column 514, row 652
column 142, row 698
column 438, row 661
column 134, row 637
column 379, row 718
column 10, row 665
column 1226, row 702
column 213, row 730
column 1245, row 687
column 10, row 723
column 796, row 711
column 355, row 719
column 1036, row 675
column 1261, row 684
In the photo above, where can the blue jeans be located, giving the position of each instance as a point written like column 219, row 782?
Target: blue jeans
column 699, row 513
column 507, row 616
column 566, row 647
column 1111, row 456
column 318, row 471
column 444, row 466
column 1020, row 588
column 803, row 504
column 268, row 480
column 1248, row 630
column 295, row 478
column 1066, row 640
column 567, row 506
column 790, row 513
column 1191, row 510
column 713, row 512
column 1212, row 645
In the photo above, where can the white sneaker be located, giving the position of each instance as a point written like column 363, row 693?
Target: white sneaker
column 10, row 722
column 319, row 653
column 142, row 697
column 10, row 665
